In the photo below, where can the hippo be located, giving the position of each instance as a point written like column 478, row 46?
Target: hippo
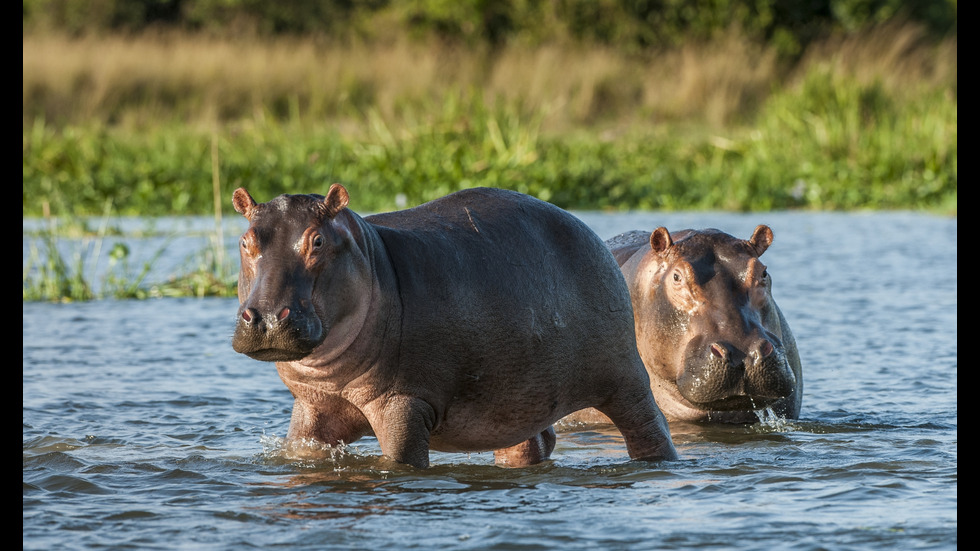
column 470, row 323
column 713, row 340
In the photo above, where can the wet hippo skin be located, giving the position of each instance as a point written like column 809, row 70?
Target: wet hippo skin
column 470, row 323
column 713, row 340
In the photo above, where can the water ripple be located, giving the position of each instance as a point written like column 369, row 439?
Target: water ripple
column 142, row 433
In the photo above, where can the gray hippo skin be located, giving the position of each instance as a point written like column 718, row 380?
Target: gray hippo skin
column 714, row 342
column 470, row 323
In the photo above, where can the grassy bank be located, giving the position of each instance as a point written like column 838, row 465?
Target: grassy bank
column 164, row 124
column 867, row 121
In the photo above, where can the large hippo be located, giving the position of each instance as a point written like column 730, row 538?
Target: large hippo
column 469, row 323
column 715, row 344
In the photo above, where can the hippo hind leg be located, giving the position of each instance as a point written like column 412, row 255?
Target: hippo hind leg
column 529, row 452
column 643, row 426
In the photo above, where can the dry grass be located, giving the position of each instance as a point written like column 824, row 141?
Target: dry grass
column 899, row 57
column 141, row 79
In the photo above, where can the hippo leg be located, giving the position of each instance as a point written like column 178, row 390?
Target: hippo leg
column 405, row 430
column 643, row 426
column 529, row 452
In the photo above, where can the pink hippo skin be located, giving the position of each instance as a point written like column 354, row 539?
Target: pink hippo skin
column 469, row 323
column 715, row 344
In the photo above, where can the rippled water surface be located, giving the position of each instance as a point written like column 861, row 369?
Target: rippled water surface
column 143, row 429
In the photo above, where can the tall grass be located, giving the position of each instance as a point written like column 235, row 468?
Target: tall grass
column 163, row 124
column 828, row 141
column 48, row 276
column 54, row 274
column 147, row 78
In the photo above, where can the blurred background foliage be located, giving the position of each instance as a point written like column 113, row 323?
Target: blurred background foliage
column 789, row 25
column 145, row 105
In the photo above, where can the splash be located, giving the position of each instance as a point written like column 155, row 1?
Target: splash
column 770, row 422
column 304, row 449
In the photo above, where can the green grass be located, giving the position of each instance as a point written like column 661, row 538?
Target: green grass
column 49, row 276
column 867, row 123
column 828, row 143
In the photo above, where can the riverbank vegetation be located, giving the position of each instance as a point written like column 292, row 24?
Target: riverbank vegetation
column 163, row 108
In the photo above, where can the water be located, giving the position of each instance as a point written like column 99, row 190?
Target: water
column 142, row 429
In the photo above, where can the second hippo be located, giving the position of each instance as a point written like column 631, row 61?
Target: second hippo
column 469, row 323
column 714, row 342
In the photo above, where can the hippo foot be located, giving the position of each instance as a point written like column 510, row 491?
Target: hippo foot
column 529, row 452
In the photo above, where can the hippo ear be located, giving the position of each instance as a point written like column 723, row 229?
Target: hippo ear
column 660, row 240
column 336, row 199
column 243, row 203
column 761, row 239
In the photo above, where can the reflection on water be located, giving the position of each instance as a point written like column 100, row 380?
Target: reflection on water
column 143, row 429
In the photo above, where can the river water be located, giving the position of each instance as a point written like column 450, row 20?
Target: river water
column 143, row 429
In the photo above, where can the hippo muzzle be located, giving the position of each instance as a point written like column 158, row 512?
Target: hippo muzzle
column 719, row 376
column 279, row 334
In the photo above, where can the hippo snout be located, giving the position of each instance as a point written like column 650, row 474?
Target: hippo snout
column 735, row 358
column 281, row 334
column 722, row 376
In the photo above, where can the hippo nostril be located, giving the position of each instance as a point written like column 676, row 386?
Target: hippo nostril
column 283, row 314
column 248, row 315
column 765, row 349
column 718, row 350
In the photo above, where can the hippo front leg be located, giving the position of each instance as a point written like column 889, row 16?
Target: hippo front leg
column 404, row 430
column 529, row 452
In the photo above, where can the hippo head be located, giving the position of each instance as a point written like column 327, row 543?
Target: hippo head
column 707, row 327
column 295, row 245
